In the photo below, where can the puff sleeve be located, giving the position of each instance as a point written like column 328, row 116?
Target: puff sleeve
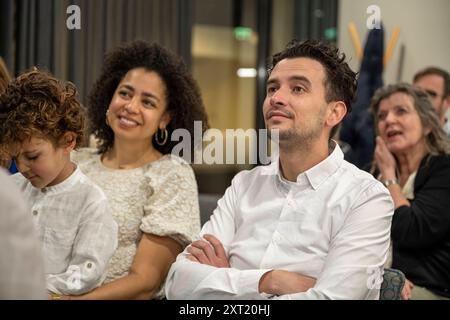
column 172, row 208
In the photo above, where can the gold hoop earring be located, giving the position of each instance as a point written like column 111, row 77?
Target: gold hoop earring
column 163, row 136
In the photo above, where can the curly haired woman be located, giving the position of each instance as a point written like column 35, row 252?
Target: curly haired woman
column 143, row 94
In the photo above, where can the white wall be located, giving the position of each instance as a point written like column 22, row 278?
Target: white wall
column 424, row 30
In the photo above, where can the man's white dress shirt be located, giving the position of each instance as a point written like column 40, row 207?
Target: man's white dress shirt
column 77, row 230
column 332, row 224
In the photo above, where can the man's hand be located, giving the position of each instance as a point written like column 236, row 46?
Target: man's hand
column 209, row 251
column 406, row 291
column 281, row 282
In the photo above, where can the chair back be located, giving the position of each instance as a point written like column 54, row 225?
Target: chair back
column 207, row 203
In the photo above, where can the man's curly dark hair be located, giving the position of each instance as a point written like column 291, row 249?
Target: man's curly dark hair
column 340, row 81
column 184, row 102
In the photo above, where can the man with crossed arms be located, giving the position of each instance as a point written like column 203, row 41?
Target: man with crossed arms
column 308, row 226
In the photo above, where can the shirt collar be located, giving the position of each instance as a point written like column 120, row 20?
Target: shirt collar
column 316, row 175
column 324, row 169
column 64, row 185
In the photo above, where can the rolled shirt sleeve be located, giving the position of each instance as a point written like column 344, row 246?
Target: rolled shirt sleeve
column 94, row 245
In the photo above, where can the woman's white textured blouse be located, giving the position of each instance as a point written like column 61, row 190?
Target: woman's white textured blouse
column 160, row 198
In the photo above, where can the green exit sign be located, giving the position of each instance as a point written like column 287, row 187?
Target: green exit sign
column 242, row 33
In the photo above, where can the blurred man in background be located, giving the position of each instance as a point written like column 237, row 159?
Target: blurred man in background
column 436, row 82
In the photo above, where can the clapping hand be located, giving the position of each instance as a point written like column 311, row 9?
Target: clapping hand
column 385, row 160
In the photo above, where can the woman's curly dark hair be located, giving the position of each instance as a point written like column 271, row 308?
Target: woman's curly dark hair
column 184, row 102
column 36, row 104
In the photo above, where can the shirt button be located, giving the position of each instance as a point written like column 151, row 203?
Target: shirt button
column 35, row 212
column 44, row 190
column 89, row 265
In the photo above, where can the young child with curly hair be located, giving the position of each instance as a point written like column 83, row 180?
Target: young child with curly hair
column 42, row 123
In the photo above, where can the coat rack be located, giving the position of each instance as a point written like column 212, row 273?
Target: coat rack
column 358, row 48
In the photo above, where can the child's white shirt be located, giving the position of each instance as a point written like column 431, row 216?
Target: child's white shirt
column 77, row 230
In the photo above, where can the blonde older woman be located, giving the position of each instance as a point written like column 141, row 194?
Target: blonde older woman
column 412, row 157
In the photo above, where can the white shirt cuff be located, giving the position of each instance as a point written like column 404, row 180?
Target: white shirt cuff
column 249, row 283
